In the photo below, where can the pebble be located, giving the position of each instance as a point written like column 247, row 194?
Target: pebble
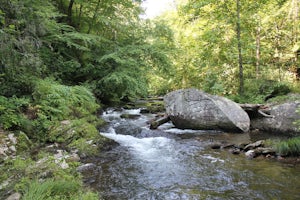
column 250, row 154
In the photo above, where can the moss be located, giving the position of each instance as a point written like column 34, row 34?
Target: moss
column 84, row 146
column 155, row 106
column 69, row 131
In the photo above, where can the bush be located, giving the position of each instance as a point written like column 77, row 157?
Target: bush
column 54, row 102
column 59, row 102
column 11, row 116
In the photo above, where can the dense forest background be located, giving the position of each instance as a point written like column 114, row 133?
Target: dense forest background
column 58, row 55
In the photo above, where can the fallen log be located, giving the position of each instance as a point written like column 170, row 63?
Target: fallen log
column 264, row 114
column 155, row 124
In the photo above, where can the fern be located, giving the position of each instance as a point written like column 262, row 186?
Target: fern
column 11, row 111
column 60, row 102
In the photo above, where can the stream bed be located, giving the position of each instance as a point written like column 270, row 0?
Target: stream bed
column 169, row 164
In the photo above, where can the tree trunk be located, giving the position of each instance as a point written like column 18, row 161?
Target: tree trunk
column 79, row 16
column 69, row 12
column 240, row 61
column 94, row 17
column 258, row 49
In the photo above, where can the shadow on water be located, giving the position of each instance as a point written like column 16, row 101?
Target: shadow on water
column 183, row 166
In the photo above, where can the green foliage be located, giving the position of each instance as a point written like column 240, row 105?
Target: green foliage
column 206, row 55
column 59, row 101
column 11, row 111
column 258, row 91
column 21, row 39
column 52, row 102
column 290, row 147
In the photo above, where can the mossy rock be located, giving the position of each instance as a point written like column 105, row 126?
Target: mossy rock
column 70, row 130
column 130, row 116
column 155, row 106
column 92, row 147
column 81, row 134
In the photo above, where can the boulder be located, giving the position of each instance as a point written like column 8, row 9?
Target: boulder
column 194, row 109
column 283, row 120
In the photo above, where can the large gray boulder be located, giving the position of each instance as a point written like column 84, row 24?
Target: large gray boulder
column 283, row 120
column 194, row 109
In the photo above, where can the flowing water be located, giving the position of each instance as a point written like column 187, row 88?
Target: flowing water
column 179, row 164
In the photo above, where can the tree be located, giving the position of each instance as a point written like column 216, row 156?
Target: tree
column 238, row 35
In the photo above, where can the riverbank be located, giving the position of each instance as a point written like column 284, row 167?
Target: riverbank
column 44, row 170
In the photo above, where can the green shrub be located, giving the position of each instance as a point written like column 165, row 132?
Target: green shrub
column 290, row 147
column 11, row 111
column 59, row 102
column 55, row 102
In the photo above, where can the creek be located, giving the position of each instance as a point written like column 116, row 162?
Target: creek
column 173, row 164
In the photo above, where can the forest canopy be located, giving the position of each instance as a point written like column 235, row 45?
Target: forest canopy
column 221, row 47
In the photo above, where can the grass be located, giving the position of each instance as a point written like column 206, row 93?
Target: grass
column 56, row 189
column 289, row 147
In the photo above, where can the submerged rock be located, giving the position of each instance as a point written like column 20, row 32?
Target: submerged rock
column 86, row 167
column 128, row 129
column 130, row 116
column 194, row 109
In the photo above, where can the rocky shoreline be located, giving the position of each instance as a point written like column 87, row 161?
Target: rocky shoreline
column 255, row 150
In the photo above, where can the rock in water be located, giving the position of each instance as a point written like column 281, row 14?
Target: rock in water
column 194, row 109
